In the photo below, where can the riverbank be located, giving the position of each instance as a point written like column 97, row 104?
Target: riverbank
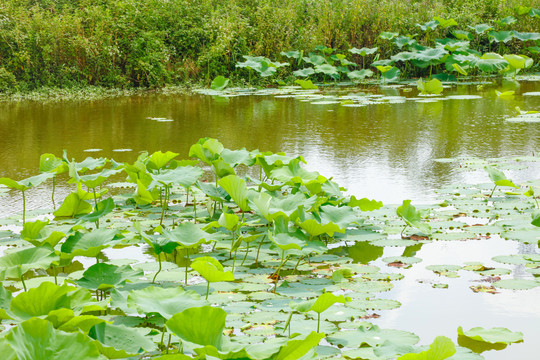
column 151, row 44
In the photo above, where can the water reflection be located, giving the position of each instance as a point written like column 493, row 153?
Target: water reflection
column 382, row 151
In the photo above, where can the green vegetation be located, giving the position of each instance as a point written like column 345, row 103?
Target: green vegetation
column 46, row 44
column 204, row 305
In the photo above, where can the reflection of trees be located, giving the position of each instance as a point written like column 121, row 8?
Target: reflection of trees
column 396, row 142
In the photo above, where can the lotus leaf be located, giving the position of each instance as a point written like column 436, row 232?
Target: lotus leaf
column 164, row 301
column 37, row 339
column 118, row 342
column 493, row 335
column 295, row 349
column 219, row 83
column 88, row 244
column 441, row 348
column 104, row 276
column 200, row 325
column 47, row 297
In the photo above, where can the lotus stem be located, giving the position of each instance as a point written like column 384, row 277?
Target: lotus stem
column 162, row 337
column 402, row 231
column 288, row 323
column 168, row 344
column 159, row 260
column 24, row 207
column 490, row 195
column 53, row 188
column 22, row 279
column 283, row 261
column 194, row 209
column 298, row 263
column 187, row 263
column 207, row 289
column 259, row 249
column 245, row 256
column 54, row 272
column 234, row 259
column 318, row 321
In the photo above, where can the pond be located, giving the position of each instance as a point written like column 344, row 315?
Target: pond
column 384, row 150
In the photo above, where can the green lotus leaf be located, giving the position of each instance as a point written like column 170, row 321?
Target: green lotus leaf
column 453, row 45
column 305, row 72
column 16, row 264
column 509, row 20
column 534, row 13
column 73, row 205
column 219, row 83
column 431, row 87
column 388, row 35
column 211, row 269
column 445, row 23
column 315, row 228
column 306, row 84
column 459, row 69
column 103, row 208
column 160, row 244
column 320, row 304
column 38, row 234
column 461, row 34
column 372, row 335
column 441, row 348
column 206, row 149
column 481, row 28
column 402, row 41
column 295, row 349
column 384, row 68
column 237, row 189
column 73, row 323
column 490, row 62
column 188, row 235
column 213, row 192
column 326, row 69
column 315, row 59
column 104, row 276
column 47, row 297
column 518, row 61
column 392, row 75
column 27, row 183
column 411, row 216
column 92, row 180
column 498, row 177
column 294, row 173
column 527, row 36
column 360, row 74
column 286, row 241
column 429, row 26
column 37, row 339
column 429, row 56
column 5, row 301
column 89, row 244
column 50, row 163
column 185, row 176
column 365, row 204
column 164, row 301
column 493, row 335
column 295, row 54
column 404, row 56
column 237, row 157
column 118, row 342
column 159, row 160
column 342, row 215
column 87, row 164
column 516, row 284
column 200, row 325
column 501, row 36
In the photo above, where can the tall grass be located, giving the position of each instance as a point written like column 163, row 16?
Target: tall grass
column 152, row 43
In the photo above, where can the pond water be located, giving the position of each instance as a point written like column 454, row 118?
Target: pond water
column 384, row 151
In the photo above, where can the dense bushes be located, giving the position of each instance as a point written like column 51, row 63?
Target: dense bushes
column 151, row 43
